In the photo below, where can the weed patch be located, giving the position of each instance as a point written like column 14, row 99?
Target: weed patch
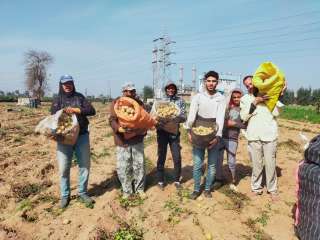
column 131, row 201
column 290, row 144
column 237, row 199
column 23, row 191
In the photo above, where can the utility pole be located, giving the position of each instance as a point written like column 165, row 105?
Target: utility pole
column 181, row 78
column 161, row 64
column 194, row 78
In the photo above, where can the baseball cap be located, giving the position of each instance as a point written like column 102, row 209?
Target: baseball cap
column 66, row 78
column 129, row 86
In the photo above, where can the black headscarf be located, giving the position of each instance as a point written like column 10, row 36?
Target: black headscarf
column 63, row 94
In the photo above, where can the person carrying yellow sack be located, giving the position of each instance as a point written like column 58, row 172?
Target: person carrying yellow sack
column 269, row 80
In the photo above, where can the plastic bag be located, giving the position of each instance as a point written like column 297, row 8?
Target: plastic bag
column 269, row 80
column 48, row 127
column 132, row 120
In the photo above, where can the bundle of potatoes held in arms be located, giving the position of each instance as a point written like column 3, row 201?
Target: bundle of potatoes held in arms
column 131, row 115
column 167, row 111
column 64, row 124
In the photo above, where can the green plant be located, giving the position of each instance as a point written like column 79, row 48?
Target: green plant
column 25, row 204
column 263, row 219
column 131, row 201
column 175, row 211
column 127, row 233
column 300, row 113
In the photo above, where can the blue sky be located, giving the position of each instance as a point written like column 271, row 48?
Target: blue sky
column 106, row 43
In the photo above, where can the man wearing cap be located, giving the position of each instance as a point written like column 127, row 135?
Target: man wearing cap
column 164, row 137
column 73, row 102
column 130, row 152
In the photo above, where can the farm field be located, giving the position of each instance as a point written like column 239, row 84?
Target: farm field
column 29, row 189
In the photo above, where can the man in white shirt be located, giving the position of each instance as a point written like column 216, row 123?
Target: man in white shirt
column 262, row 134
column 208, row 105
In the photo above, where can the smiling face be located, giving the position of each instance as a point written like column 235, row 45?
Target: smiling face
column 171, row 90
column 67, row 87
column 211, row 83
column 248, row 84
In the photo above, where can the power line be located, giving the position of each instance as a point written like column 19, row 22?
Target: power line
column 249, row 23
column 260, row 31
column 227, row 57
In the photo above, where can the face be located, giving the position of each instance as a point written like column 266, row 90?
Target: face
column 129, row 93
column 67, row 87
column 171, row 90
column 248, row 84
column 235, row 97
column 211, row 83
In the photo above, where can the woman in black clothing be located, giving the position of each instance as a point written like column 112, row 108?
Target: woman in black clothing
column 73, row 103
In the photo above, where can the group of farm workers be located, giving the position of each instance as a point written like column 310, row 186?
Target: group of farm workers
column 230, row 113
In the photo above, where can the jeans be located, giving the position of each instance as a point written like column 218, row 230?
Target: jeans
column 198, row 158
column 131, row 168
column 64, row 157
column 164, row 138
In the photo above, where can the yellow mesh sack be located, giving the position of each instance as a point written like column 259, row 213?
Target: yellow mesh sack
column 269, row 80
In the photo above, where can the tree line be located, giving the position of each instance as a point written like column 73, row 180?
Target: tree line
column 303, row 96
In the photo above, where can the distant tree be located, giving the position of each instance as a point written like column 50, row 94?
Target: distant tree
column 316, row 99
column 288, row 97
column 147, row 92
column 304, row 96
column 36, row 64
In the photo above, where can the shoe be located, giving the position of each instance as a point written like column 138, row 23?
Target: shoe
column 178, row 185
column 64, row 202
column 195, row 195
column 86, row 199
column 161, row 185
column 207, row 194
column 256, row 193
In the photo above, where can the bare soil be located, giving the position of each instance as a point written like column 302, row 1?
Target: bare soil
column 29, row 189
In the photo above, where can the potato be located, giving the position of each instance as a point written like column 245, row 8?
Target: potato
column 128, row 111
column 202, row 131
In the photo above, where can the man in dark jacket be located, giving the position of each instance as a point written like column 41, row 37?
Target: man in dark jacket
column 130, row 152
column 173, row 139
column 73, row 102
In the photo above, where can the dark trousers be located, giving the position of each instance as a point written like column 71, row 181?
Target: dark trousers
column 164, row 138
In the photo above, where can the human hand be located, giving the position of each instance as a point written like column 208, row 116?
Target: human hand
column 121, row 130
column 260, row 99
column 213, row 142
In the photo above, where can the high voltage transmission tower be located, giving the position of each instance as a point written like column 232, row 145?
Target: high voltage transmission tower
column 161, row 64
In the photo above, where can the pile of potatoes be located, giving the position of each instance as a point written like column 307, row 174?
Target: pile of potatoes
column 128, row 111
column 64, row 124
column 167, row 111
column 202, row 131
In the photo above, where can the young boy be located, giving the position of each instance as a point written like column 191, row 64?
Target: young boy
column 230, row 135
